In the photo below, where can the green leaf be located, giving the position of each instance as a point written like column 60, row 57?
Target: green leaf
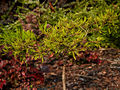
column 74, row 55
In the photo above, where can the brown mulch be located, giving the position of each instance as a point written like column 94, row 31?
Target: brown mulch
column 85, row 76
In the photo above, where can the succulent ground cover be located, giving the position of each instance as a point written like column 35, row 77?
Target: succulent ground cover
column 75, row 46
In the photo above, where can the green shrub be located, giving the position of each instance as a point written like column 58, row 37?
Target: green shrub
column 105, row 28
column 90, row 25
column 67, row 36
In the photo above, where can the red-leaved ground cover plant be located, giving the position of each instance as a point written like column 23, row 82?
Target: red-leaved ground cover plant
column 88, row 57
column 15, row 73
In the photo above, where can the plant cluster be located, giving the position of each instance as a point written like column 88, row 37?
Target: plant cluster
column 94, row 25
column 40, row 32
column 15, row 73
column 87, row 57
column 13, row 38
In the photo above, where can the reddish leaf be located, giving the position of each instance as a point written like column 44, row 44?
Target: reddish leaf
column 51, row 55
column 23, row 73
column 2, row 83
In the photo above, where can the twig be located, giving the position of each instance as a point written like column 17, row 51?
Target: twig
column 89, row 77
column 63, row 78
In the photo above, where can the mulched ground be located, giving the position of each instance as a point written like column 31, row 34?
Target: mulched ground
column 86, row 76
